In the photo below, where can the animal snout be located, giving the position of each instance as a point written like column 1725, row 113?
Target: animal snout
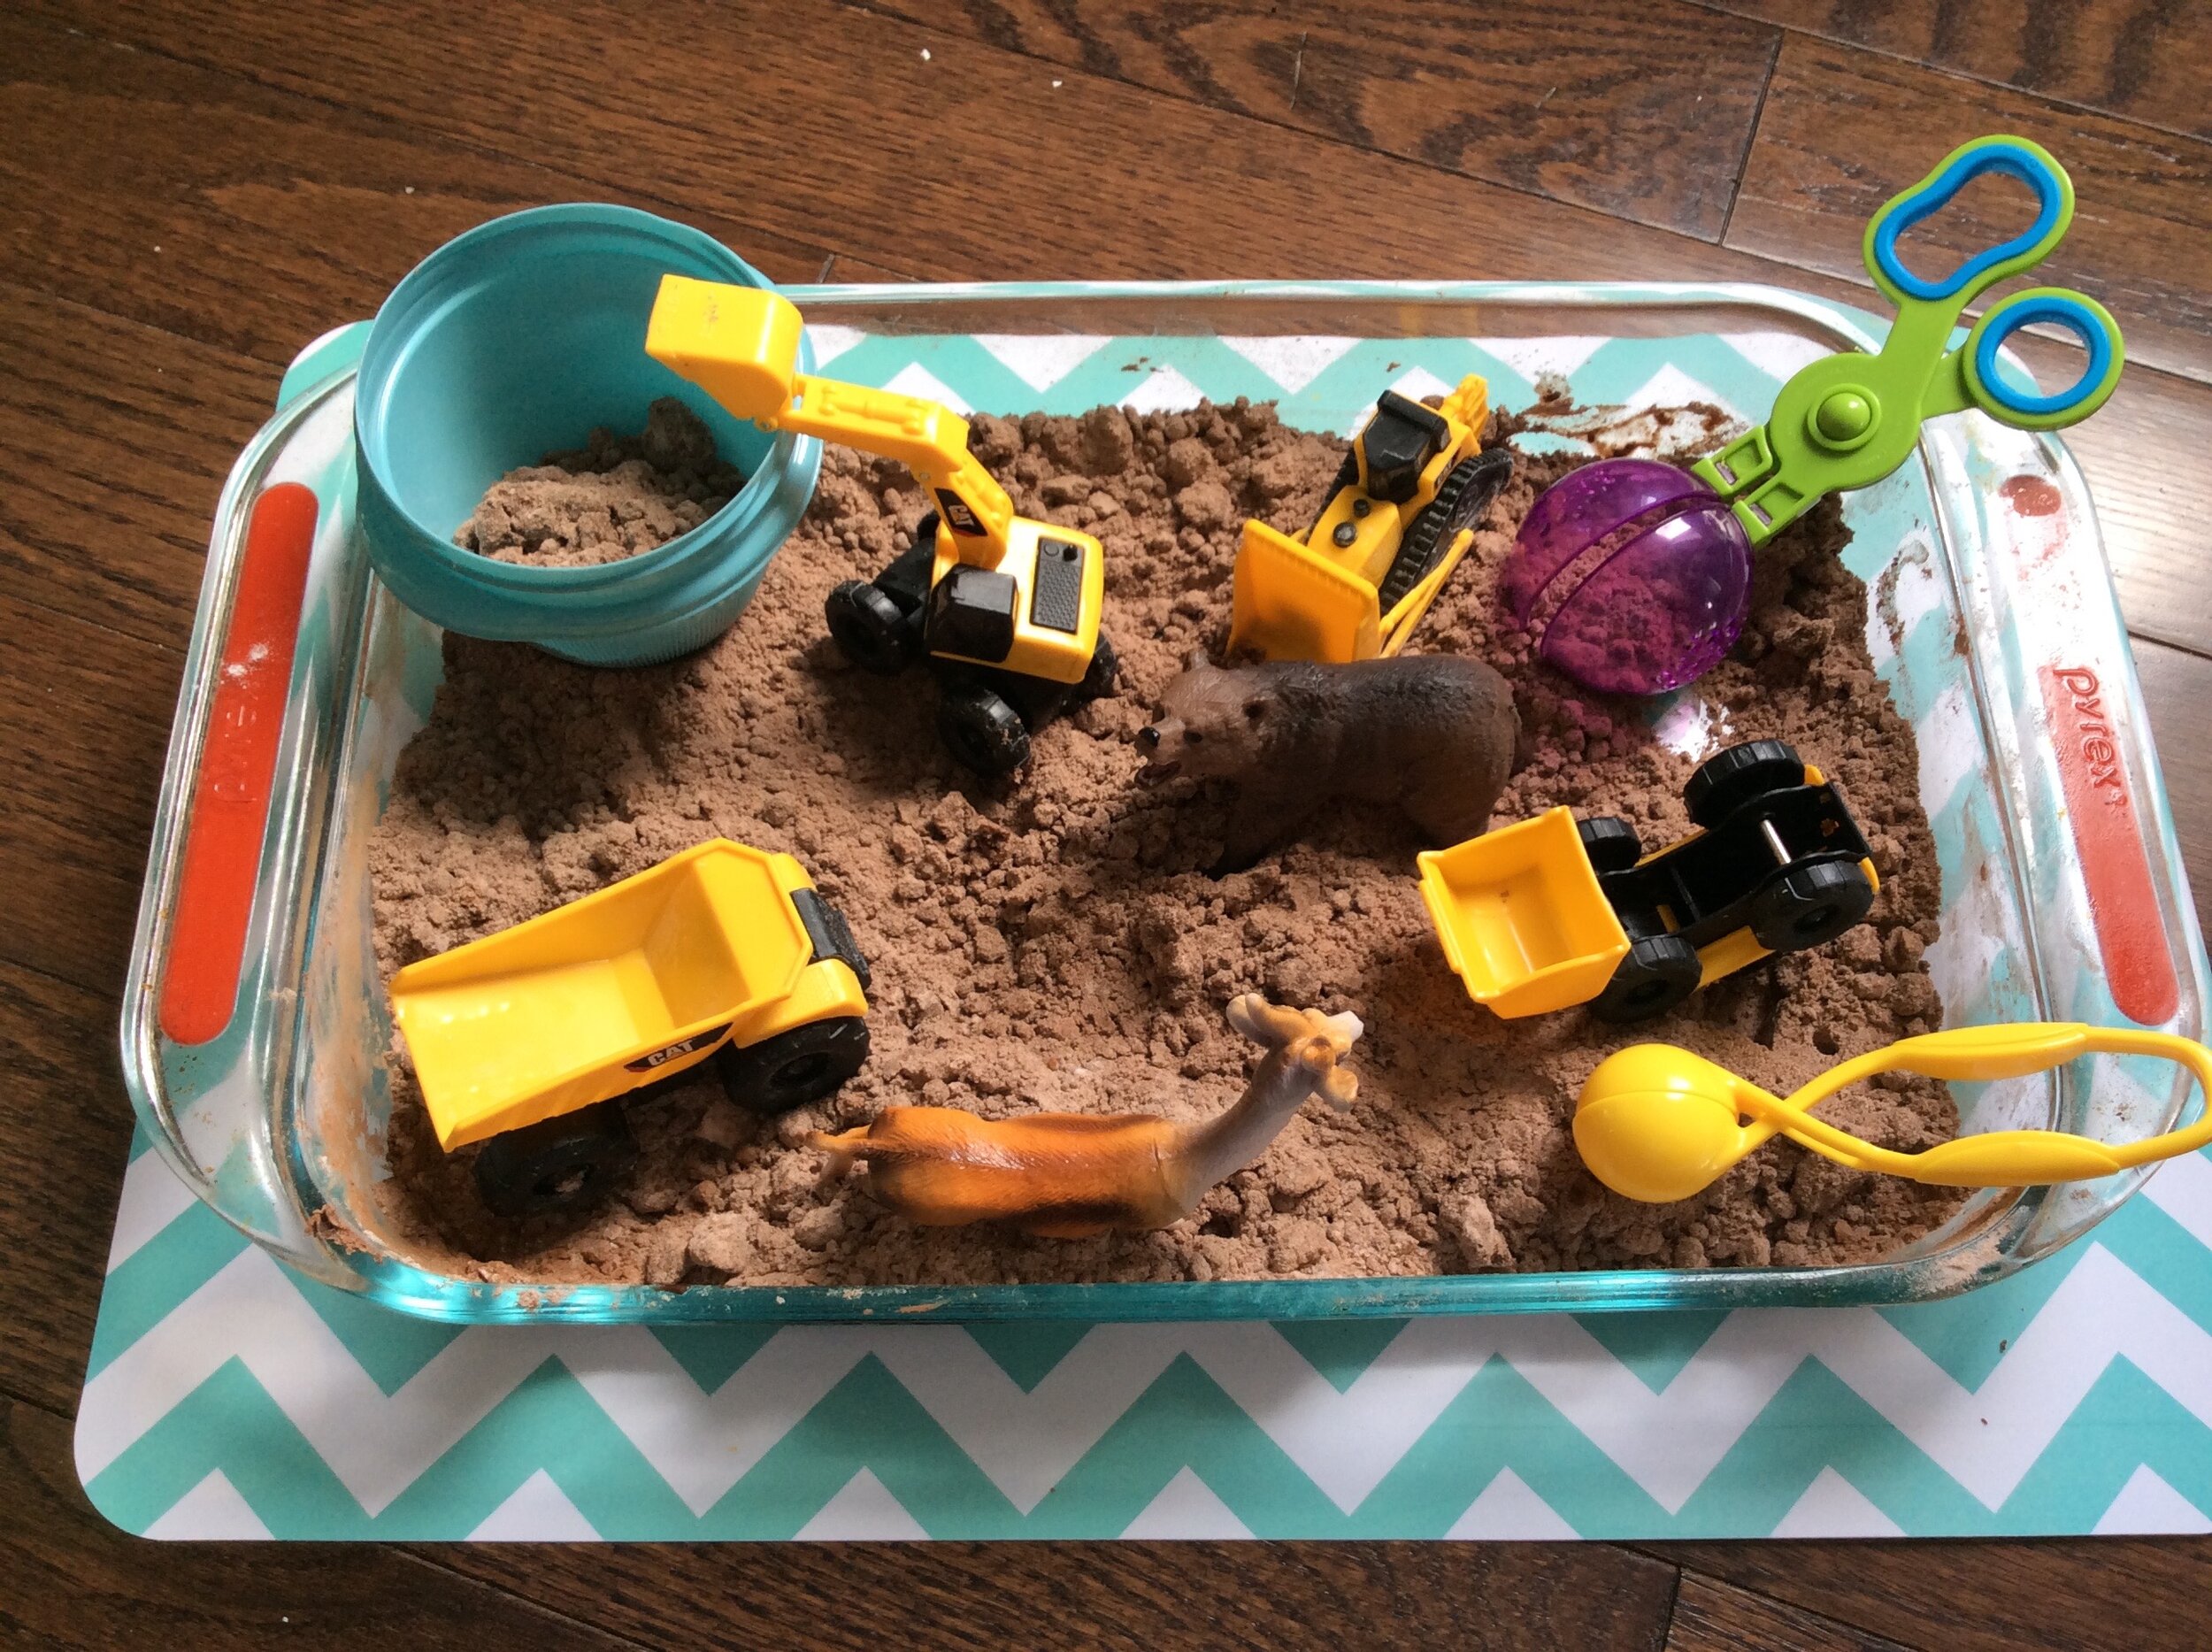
column 1152, row 741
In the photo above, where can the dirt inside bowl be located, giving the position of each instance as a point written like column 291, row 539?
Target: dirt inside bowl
column 614, row 498
column 1054, row 944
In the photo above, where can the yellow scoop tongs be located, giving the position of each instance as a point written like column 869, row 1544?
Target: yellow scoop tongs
column 1657, row 1123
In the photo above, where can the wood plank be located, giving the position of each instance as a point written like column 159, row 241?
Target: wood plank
column 2144, row 1594
column 244, row 216
column 1843, row 130
column 1223, row 213
column 969, row 181
column 1644, row 113
column 65, row 1133
column 115, row 437
column 69, row 1579
column 1712, row 1616
column 2176, row 688
column 2145, row 59
column 1122, row 1597
column 84, row 728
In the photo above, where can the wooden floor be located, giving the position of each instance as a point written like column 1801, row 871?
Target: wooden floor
column 188, row 192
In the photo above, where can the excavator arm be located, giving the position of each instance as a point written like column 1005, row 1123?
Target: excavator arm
column 930, row 439
column 1005, row 590
column 741, row 345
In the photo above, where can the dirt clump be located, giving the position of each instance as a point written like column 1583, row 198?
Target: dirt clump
column 614, row 498
column 1056, row 943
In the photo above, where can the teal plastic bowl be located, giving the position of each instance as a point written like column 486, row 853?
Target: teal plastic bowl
column 514, row 340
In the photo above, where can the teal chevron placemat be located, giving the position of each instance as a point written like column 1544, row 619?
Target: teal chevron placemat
column 227, row 1398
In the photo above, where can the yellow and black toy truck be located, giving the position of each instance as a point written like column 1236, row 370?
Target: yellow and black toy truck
column 531, row 1041
column 1401, row 514
column 1552, row 911
column 1005, row 607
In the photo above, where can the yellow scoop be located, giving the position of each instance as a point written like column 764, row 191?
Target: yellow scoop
column 1659, row 1123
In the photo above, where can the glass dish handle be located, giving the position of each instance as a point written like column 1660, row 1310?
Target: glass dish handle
column 208, row 1026
column 2118, row 933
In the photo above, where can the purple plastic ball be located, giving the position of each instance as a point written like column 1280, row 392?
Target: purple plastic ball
column 1634, row 574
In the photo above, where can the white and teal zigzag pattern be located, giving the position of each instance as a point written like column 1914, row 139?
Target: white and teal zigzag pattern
column 227, row 1397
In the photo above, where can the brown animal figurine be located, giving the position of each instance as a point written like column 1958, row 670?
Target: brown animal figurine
column 1431, row 733
column 1077, row 1175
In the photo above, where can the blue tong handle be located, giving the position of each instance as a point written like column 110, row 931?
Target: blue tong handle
column 1928, row 310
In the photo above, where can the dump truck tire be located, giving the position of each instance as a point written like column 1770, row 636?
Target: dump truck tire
column 1809, row 906
column 1658, row 975
column 1460, row 499
column 1610, row 842
column 980, row 728
column 564, row 1163
column 869, row 626
column 793, row 1068
column 1728, row 779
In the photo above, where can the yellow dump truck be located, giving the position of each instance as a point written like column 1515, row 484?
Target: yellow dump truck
column 1399, row 518
column 528, row 1041
column 1554, row 911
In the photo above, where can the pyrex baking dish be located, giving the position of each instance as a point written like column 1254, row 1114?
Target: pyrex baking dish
column 1992, row 620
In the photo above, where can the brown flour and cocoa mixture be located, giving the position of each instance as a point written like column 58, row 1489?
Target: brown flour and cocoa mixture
column 1054, row 944
column 611, row 498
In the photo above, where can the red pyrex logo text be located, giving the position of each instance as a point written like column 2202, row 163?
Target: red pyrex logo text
column 2123, row 902
column 2089, row 731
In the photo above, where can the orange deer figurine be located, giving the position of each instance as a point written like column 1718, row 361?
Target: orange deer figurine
column 1076, row 1175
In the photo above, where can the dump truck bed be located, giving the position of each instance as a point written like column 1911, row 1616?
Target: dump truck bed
column 589, row 1000
column 1521, row 917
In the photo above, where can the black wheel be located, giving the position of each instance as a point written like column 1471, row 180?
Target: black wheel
column 1815, row 904
column 869, row 626
column 793, row 1068
column 556, row 1165
column 1098, row 676
column 1610, row 842
column 1657, row 975
column 1460, row 501
column 982, row 729
column 1728, row 779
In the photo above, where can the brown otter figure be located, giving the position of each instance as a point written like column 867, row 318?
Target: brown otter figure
column 1431, row 733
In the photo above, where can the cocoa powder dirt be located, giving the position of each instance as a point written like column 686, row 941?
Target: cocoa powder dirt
column 1053, row 943
column 611, row 498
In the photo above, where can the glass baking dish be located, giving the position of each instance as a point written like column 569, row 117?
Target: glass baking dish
column 1992, row 621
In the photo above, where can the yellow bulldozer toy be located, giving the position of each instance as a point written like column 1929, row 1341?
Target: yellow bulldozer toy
column 1005, row 607
column 1400, row 516
column 531, row 1039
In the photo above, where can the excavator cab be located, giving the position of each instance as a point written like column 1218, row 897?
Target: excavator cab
column 1400, row 517
column 1005, row 607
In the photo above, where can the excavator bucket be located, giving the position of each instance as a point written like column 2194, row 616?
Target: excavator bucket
column 1522, row 919
column 1287, row 603
column 739, row 345
column 646, row 976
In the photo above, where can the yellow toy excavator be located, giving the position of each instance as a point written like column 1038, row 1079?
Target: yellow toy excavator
column 1400, row 517
column 1005, row 607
